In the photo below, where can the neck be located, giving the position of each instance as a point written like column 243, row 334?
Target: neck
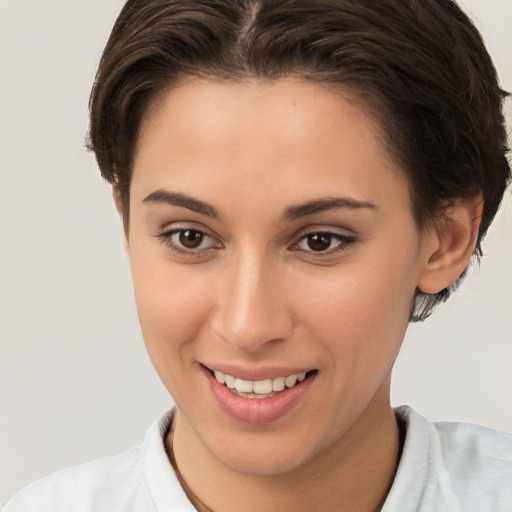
column 355, row 473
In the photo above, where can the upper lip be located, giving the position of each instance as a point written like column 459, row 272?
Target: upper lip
column 258, row 373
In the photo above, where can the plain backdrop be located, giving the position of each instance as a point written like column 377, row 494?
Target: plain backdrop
column 75, row 381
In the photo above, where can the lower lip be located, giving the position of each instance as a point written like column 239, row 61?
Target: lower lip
column 258, row 411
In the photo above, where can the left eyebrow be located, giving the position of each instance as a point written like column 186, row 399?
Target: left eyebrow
column 325, row 204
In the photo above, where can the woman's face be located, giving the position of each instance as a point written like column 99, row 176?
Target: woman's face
column 270, row 236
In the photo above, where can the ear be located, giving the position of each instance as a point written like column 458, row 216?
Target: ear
column 449, row 245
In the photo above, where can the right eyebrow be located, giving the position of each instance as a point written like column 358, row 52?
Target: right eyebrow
column 183, row 201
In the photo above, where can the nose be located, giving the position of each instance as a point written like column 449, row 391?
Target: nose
column 252, row 310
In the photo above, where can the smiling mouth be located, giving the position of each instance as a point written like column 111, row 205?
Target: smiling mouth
column 259, row 389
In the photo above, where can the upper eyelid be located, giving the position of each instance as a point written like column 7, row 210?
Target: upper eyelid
column 165, row 238
column 334, row 234
column 344, row 240
column 175, row 227
column 328, row 230
column 310, row 228
column 183, row 226
column 172, row 231
column 341, row 237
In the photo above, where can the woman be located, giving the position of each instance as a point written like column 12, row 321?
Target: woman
column 298, row 181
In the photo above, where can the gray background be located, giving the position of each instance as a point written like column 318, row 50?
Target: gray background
column 75, row 381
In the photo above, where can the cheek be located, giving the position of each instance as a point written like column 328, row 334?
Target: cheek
column 172, row 307
column 361, row 312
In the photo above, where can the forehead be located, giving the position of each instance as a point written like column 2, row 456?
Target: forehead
column 296, row 108
column 260, row 137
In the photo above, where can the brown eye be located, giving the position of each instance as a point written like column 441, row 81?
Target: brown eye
column 189, row 242
column 190, row 238
column 324, row 242
column 319, row 241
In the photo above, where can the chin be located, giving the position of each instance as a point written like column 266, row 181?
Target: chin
column 267, row 453
column 260, row 462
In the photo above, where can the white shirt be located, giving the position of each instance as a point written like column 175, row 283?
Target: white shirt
column 445, row 467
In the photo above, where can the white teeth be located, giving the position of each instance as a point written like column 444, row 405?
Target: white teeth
column 290, row 381
column 278, row 384
column 262, row 387
column 220, row 377
column 230, row 381
column 259, row 387
column 243, row 386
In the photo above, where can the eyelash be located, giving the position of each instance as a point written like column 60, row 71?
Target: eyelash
column 167, row 239
column 343, row 242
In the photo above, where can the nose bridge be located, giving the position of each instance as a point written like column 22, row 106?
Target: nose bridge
column 251, row 310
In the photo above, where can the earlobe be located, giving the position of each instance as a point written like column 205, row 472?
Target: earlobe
column 450, row 244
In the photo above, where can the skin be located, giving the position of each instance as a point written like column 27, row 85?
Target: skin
column 255, row 294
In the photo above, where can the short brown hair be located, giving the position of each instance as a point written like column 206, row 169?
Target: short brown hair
column 419, row 65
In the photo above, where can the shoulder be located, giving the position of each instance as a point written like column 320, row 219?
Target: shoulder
column 96, row 485
column 461, row 439
column 476, row 460
column 453, row 466
column 138, row 480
